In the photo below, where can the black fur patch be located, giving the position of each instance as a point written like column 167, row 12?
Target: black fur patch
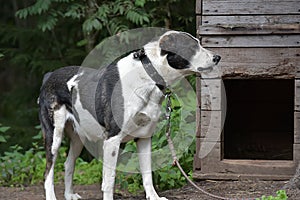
column 110, row 110
column 179, row 48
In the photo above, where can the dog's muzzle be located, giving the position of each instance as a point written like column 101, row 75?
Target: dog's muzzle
column 216, row 60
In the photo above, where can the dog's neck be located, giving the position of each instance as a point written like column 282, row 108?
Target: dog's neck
column 161, row 65
column 149, row 68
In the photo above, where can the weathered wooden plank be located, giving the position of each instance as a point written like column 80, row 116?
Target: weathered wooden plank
column 298, row 69
column 197, row 174
column 198, row 109
column 297, row 95
column 249, row 29
column 211, row 125
column 198, row 122
column 250, row 20
column 198, row 7
column 210, row 151
column 252, row 41
column 198, row 91
column 249, row 168
column 260, row 62
column 296, row 153
column 297, row 128
column 197, row 160
column 198, row 23
column 211, row 94
column 237, row 7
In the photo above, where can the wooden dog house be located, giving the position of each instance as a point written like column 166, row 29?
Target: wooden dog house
column 249, row 108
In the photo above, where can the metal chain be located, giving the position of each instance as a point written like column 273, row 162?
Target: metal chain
column 173, row 152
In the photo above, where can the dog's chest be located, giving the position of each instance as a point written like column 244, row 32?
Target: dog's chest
column 123, row 99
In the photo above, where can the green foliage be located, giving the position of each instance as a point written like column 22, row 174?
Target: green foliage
column 3, row 137
column 87, row 172
column 42, row 35
column 281, row 195
column 22, row 168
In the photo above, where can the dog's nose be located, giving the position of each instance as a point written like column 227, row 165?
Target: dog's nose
column 216, row 59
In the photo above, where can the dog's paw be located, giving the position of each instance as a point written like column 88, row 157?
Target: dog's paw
column 157, row 198
column 72, row 196
column 162, row 198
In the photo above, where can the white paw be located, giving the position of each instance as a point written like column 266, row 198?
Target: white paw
column 162, row 198
column 72, row 196
column 50, row 196
column 157, row 198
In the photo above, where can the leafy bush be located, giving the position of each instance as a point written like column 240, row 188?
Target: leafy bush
column 3, row 137
column 281, row 195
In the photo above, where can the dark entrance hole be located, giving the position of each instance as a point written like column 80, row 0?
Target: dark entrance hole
column 260, row 119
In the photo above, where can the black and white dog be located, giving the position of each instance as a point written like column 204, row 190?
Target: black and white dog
column 116, row 104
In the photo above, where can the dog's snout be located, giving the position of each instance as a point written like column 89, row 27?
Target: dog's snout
column 216, row 59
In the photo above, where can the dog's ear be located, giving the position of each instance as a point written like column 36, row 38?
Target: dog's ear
column 179, row 48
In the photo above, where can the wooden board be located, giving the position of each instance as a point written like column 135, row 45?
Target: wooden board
column 209, row 151
column 238, row 7
column 197, row 160
column 211, row 125
column 198, row 91
column 211, row 94
column 261, row 167
column 296, row 153
column 199, row 7
column 198, row 174
column 298, row 70
column 297, row 128
column 249, row 29
column 258, row 62
column 252, row 41
column 198, row 23
column 249, row 20
column 198, row 122
column 198, row 109
column 297, row 95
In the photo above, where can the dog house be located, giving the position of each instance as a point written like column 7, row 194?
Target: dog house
column 249, row 107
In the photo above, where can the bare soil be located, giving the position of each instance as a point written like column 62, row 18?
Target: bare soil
column 230, row 189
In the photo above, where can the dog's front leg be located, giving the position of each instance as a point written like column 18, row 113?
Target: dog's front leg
column 144, row 150
column 110, row 156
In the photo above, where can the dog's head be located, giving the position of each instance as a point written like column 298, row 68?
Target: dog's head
column 184, row 52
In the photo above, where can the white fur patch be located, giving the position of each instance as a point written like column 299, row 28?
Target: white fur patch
column 87, row 127
column 49, row 185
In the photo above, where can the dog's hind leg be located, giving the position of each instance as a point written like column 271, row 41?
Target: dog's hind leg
column 75, row 150
column 144, row 152
column 52, row 143
column 111, row 148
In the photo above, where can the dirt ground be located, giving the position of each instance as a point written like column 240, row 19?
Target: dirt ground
column 230, row 189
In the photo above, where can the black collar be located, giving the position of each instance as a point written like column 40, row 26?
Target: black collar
column 151, row 71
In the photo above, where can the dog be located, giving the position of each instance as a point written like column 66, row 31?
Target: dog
column 116, row 104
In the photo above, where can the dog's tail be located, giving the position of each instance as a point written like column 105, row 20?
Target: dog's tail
column 45, row 78
column 46, row 120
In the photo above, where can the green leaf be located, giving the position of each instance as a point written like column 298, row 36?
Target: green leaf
column 140, row 3
column 75, row 11
column 22, row 14
column 2, row 139
column 4, row 128
column 1, row 55
column 91, row 24
column 49, row 24
column 81, row 43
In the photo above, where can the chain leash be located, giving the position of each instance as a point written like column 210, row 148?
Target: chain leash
column 173, row 152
